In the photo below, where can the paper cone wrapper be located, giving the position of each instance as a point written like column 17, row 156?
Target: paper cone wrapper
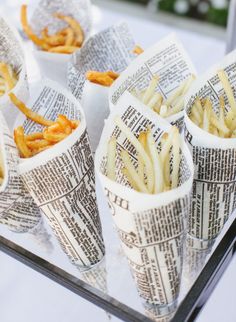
column 195, row 259
column 214, row 158
column 61, row 179
column 11, row 52
column 52, row 64
column 159, row 314
column 151, row 227
column 168, row 60
column 96, row 276
column 96, row 109
column 17, row 209
column 110, row 49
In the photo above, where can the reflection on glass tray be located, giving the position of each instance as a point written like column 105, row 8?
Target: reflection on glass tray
column 112, row 275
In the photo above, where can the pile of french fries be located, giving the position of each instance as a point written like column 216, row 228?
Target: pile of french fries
column 102, row 78
column 53, row 132
column 157, row 170
column 1, row 171
column 154, row 99
column 223, row 123
column 107, row 78
column 8, row 78
column 65, row 41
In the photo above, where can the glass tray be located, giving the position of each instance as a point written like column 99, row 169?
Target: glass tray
column 107, row 283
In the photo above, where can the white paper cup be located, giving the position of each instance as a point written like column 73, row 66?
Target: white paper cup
column 95, row 104
column 52, row 66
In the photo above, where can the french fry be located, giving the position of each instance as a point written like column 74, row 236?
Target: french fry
column 132, row 172
column 34, row 136
column 155, row 102
column 204, row 116
column 150, row 90
column 54, row 137
column 196, row 114
column 70, row 36
column 176, row 161
column 75, row 124
column 138, row 50
column 63, row 49
column 102, row 78
column 29, row 113
column 145, row 158
column 142, row 139
column 54, row 132
column 52, row 40
column 163, row 110
column 8, row 79
column 179, row 94
column 37, row 144
column 130, row 179
column 112, row 74
column 19, row 138
column 165, row 164
column 5, row 73
column 75, row 26
column 206, row 119
column 199, row 107
column 29, row 32
column 65, row 123
column 154, row 99
column 111, row 158
column 56, row 127
column 228, row 90
column 65, row 41
column 220, row 126
column 167, row 144
column 157, row 164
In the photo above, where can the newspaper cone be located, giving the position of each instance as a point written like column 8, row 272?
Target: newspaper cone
column 156, row 314
column 11, row 52
column 214, row 158
column 195, row 259
column 151, row 227
column 110, row 49
column 54, row 66
column 168, row 60
column 96, row 276
column 61, row 179
column 17, row 209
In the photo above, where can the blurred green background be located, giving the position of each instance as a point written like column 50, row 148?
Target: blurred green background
column 213, row 11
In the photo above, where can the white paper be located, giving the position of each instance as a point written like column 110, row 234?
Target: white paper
column 151, row 227
column 168, row 60
column 95, row 104
column 214, row 158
